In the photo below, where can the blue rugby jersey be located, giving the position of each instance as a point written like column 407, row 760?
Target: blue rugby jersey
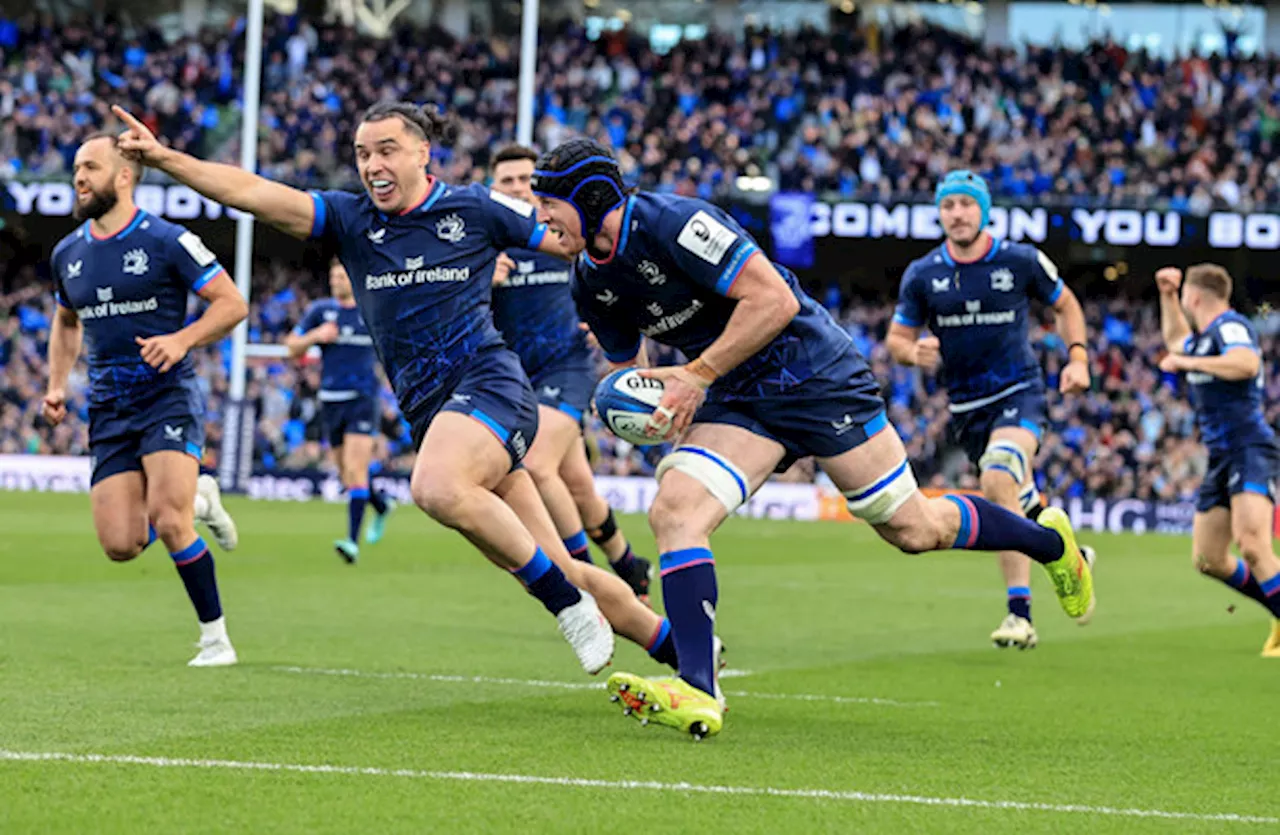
column 348, row 365
column 132, row 284
column 422, row 278
column 667, row 278
column 1229, row 412
column 981, row 313
column 535, row 312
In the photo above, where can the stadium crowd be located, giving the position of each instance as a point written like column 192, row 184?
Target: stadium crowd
column 858, row 112
column 1133, row 435
column 861, row 113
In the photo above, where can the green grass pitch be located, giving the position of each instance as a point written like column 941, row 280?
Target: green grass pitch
column 422, row 691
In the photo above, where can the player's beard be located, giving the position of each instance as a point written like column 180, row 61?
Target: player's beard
column 99, row 203
column 959, row 244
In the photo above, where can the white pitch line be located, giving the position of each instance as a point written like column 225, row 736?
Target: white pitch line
column 520, row 682
column 626, row 785
column 579, row 685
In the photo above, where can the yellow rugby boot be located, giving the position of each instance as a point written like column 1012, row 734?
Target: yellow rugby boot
column 1072, row 574
column 1271, row 649
column 667, row 701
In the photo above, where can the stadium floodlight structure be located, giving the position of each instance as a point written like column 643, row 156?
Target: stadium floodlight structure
column 239, row 420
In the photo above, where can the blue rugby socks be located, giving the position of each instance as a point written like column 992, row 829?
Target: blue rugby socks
column 662, row 648
column 988, row 527
column 578, row 547
column 195, row 567
column 547, row 582
column 690, row 593
column 357, row 498
column 1020, row 601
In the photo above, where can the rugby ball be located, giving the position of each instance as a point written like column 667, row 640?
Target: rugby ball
column 624, row 400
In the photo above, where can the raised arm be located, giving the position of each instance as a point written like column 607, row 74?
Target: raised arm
column 1173, row 323
column 288, row 209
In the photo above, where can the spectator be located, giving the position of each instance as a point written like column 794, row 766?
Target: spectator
column 844, row 113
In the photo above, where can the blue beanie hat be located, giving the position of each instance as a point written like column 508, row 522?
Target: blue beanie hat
column 966, row 182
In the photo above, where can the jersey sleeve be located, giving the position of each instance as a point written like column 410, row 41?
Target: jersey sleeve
column 912, row 310
column 510, row 222
column 708, row 251
column 1046, row 285
column 192, row 261
column 60, row 295
column 1234, row 334
column 619, row 338
column 309, row 320
column 56, row 267
column 331, row 210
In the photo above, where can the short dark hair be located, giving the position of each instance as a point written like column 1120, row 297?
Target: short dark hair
column 1211, row 278
column 426, row 121
column 511, row 153
column 134, row 164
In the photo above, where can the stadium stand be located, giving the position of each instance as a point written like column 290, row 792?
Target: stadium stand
column 855, row 115
column 1131, row 437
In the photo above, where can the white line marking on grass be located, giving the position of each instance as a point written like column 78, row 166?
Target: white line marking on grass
column 626, row 785
column 519, row 682
column 579, row 685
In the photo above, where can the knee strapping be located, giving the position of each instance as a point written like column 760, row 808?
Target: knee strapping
column 1029, row 498
column 877, row 504
column 1006, row 457
column 605, row 532
column 719, row 475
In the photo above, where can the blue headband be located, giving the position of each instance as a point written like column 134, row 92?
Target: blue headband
column 967, row 183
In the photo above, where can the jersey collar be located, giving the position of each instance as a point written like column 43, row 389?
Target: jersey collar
column 134, row 221
column 986, row 256
column 619, row 243
column 435, row 189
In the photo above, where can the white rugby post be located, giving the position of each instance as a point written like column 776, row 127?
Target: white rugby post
column 240, row 350
column 238, row 424
column 249, row 162
column 528, row 64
